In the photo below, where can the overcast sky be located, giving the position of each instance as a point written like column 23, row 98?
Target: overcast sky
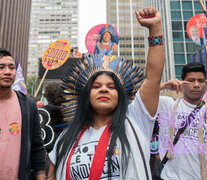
column 92, row 12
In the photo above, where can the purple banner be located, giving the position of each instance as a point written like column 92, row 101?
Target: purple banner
column 193, row 58
column 19, row 84
column 205, row 55
column 199, row 56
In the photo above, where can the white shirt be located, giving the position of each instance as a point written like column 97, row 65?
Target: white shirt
column 143, row 124
column 185, row 164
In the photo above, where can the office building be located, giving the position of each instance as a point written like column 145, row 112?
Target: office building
column 14, row 29
column 51, row 20
column 179, row 48
column 121, row 15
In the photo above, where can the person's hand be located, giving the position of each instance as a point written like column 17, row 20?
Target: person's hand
column 174, row 85
column 150, row 18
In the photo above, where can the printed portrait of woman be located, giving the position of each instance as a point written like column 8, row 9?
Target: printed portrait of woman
column 107, row 42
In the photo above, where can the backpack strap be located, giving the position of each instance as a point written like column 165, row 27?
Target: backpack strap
column 172, row 129
column 140, row 148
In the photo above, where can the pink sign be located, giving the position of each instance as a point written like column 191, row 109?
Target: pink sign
column 96, row 33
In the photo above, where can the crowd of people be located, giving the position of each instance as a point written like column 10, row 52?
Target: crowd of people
column 107, row 122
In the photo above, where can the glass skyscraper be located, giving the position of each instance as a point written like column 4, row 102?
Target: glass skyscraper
column 179, row 48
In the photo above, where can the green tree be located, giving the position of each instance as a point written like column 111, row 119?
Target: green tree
column 32, row 85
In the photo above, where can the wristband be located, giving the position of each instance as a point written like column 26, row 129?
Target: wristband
column 155, row 40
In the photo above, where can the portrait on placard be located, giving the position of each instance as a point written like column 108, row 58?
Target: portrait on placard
column 197, row 30
column 102, row 39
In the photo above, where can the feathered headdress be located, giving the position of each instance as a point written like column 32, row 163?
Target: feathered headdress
column 78, row 75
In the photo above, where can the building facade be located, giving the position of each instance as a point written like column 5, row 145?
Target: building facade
column 179, row 48
column 51, row 20
column 121, row 15
column 14, row 29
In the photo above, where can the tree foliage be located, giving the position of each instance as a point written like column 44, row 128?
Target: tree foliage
column 32, row 85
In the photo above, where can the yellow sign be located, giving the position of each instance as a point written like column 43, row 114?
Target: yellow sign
column 56, row 54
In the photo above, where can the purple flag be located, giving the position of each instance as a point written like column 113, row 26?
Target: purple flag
column 205, row 55
column 193, row 58
column 19, row 84
column 199, row 56
column 205, row 44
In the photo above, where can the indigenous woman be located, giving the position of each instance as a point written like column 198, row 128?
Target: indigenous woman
column 109, row 138
column 105, row 45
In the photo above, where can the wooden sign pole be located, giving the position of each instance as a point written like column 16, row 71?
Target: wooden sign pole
column 59, row 51
column 43, row 78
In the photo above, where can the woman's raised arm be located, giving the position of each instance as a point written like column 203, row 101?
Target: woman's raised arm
column 149, row 91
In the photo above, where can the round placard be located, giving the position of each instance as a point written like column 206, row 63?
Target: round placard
column 196, row 28
column 95, row 36
column 56, row 54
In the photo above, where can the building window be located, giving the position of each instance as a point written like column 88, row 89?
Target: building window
column 176, row 15
column 178, row 70
column 185, row 25
column 136, row 61
column 187, row 15
column 197, row 5
column 177, row 36
column 175, row 5
column 139, row 45
column 179, row 58
column 189, row 58
column 176, row 25
column 178, row 47
column 187, row 5
column 198, row 12
column 190, row 47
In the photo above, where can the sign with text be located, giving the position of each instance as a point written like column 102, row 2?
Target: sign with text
column 56, row 54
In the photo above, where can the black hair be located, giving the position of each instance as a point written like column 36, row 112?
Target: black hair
column 193, row 67
column 4, row 52
column 112, row 38
column 84, row 116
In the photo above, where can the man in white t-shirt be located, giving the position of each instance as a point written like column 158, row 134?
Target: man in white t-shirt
column 184, row 163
